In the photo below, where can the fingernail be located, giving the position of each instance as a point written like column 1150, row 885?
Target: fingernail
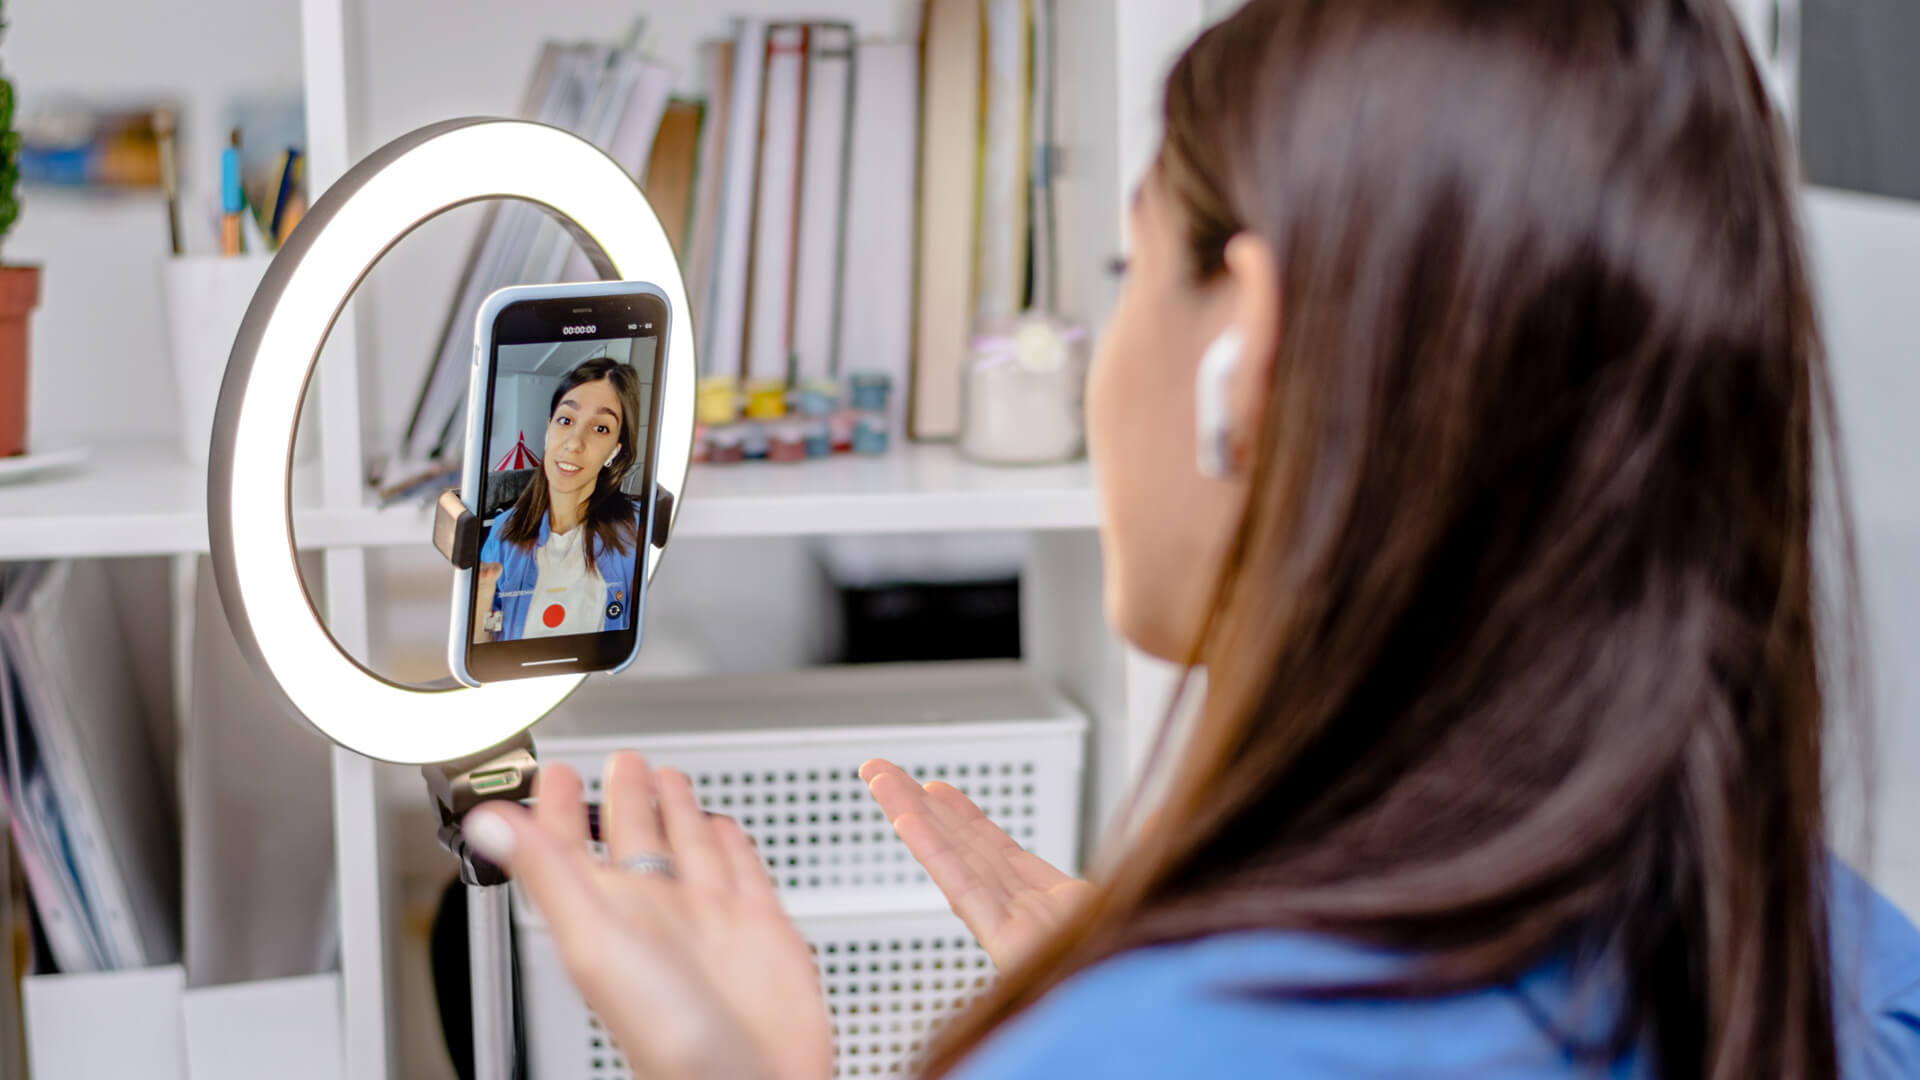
column 489, row 835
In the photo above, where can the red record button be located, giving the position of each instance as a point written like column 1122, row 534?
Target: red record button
column 553, row 616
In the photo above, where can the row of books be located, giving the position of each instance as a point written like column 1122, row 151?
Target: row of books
column 91, row 821
column 836, row 204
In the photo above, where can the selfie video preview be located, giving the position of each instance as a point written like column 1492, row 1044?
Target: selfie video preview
column 563, row 495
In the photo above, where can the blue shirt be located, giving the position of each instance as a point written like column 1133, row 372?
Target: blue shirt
column 1165, row 1012
column 520, row 570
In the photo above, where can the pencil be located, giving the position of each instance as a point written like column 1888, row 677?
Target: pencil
column 163, row 129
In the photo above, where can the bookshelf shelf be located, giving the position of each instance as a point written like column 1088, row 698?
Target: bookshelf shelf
column 142, row 499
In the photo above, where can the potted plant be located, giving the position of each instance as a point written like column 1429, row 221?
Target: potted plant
column 19, row 290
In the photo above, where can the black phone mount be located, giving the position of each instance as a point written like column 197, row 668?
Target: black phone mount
column 456, row 531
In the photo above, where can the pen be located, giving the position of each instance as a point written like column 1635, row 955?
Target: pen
column 169, row 175
column 231, row 201
column 285, row 214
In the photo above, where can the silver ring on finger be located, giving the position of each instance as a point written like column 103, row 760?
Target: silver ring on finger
column 648, row 862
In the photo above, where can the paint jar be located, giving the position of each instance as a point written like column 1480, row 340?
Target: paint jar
column 726, row 445
column 753, row 440
column 817, row 397
column 1021, row 401
column 766, row 399
column 819, row 436
column 869, row 390
column 717, row 400
column 870, row 433
column 787, row 441
column 840, row 430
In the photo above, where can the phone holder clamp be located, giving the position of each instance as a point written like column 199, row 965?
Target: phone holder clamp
column 505, row 772
column 456, row 531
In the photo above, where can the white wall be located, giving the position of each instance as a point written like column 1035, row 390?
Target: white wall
column 98, row 371
column 1866, row 254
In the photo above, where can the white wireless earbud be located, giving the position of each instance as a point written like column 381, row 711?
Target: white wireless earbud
column 1212, row 424
column 611, row 457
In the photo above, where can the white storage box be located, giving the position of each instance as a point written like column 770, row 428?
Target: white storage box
column 890, row 979
column 781, row 754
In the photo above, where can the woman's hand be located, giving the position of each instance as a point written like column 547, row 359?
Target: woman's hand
column 1009, row 897
column 700, row 974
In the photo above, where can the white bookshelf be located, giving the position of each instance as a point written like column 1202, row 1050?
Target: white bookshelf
column 142, row 499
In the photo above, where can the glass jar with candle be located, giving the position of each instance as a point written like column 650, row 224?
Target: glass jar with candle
column 1023, row 392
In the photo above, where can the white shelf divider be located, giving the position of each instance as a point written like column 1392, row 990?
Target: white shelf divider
column 366, row 919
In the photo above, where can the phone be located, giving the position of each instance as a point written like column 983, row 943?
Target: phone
column 563, row 422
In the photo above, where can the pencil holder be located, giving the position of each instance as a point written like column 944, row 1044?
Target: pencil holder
column 204, row 298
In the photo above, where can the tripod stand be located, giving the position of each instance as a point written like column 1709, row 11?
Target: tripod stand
column 506, row 771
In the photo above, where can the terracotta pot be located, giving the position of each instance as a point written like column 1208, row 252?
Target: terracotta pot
column 19, row 294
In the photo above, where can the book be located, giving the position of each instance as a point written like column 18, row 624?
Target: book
column 950, row 127
column 769, row 331
column 876, row 301
column 724, row 344
column 101, row 803
column 716, row 65
column 34, row 821
column 1043, row 274
column 826, row 146
column 670, row 170
column 609, row 87
column 1000, row 245
column 641, row 92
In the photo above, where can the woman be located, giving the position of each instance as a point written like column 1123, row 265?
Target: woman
column 1510, row 758
column 560, row 560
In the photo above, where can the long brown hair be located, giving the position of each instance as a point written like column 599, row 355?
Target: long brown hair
column 1513, row 653
column 609, row 513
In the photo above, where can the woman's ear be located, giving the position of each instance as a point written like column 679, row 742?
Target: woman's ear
column 1236, row 370
column 1253, row 312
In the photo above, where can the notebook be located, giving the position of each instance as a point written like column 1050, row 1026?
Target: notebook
column 1000, row 272
column 950, row 120
column 769, row 340
column 70, row 665
column 39, row 840
column 716, row 63
column 627, row 130
column 830, row 80
column 876, row 302
column 670, row 170
column 726, row 329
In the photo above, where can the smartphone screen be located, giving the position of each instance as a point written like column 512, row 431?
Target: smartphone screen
column 566, row 485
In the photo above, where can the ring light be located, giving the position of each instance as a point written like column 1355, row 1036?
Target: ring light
column 249, row 512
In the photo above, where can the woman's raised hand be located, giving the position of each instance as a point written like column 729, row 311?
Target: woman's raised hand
column 697, row 974
column 1009, row 897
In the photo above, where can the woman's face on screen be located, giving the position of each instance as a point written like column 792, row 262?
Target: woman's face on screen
column 582, row 433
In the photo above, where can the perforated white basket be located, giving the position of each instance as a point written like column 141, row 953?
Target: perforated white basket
column 781, row 754
column 889, row 982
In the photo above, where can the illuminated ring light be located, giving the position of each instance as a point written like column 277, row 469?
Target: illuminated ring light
column 249, row 511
